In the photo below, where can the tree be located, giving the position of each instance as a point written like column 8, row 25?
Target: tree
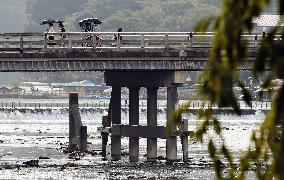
column 38, row 10
column 265, row 153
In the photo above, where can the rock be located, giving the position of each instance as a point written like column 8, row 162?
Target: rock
column 62, row 168
column 71, row 165
column 42, row 157
column 31, row 163
column 65, row 151
column 93, row 153
column 124, row 154
column 7, row 166
column 161, row 158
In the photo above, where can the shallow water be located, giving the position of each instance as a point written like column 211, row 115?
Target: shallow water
column 27, row 136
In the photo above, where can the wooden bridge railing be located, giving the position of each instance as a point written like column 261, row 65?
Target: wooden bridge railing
column 126, row 41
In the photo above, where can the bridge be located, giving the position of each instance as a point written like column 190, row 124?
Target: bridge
column 134, row 60
column 134, row 51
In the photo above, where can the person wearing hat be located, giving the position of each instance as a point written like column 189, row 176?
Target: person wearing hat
column 117, row 36
column 62, row 36
column 50, row 37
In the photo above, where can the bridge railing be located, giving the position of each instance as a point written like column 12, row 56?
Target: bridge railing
column 104, row 41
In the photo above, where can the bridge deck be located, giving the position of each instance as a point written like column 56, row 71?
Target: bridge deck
column 136, row 51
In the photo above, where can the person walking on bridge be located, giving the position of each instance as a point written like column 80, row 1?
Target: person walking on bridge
column 116, row 37
column 50, row 37
column 62, row 36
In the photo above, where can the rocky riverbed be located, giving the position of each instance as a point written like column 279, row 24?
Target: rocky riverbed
column 32, row 147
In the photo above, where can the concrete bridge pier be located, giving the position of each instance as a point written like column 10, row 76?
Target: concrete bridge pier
column 133, row 120
column 116, row 119
column 171, row 146
column 152, row 80
column 152, row 122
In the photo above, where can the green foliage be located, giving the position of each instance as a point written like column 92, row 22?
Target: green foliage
column 38, row 10
column 265, row 153
column 131, row 15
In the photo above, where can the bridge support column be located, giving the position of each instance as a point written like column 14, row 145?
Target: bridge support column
column 116, row 119
column 171, row 145
column 152, row 122
column 134, row 120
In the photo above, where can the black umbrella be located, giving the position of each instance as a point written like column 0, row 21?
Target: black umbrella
column 60, row 21
column 95, row 21
column 47, row 21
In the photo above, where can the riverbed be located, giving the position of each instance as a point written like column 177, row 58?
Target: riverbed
column 43, row 136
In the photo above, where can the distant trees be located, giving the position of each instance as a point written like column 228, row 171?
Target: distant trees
column 132, row 15
column 38, row 10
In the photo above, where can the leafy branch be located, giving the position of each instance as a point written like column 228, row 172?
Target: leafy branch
column 228, row 53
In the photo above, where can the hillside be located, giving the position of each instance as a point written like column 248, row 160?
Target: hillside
column 131, row 15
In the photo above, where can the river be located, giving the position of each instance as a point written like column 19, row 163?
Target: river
column 43, row 135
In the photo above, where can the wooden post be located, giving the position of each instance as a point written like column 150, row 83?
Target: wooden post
column 70, row 42
column 142, row 41
column 21, row 44
column 105, row 123
column 191, row 40
column 83, row 139
column 74, row 121
column 184, row 140
column 255, row 43
column 94, row 41
column 166, row 43
column 45, row 41
column 118, row 41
